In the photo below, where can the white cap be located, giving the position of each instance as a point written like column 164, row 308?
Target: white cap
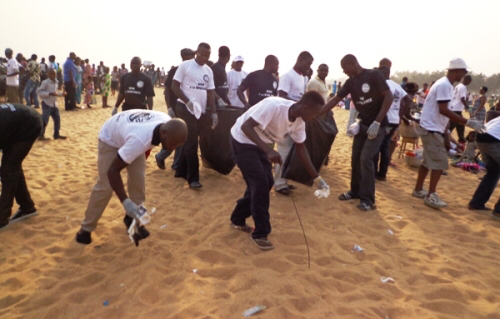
column 457, row 63
column 238, row 59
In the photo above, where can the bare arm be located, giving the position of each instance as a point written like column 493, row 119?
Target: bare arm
column 249, row 129
column 115, row 180
column 330, row 105
column 211, row 101
column 444, row 110
column 176, row 88
column 305, row 159
column 149, row 101
column 405, row 110
column 464, row 102
column 119, row 99
column 284, row 95
column 241, row 96
column 167, row 98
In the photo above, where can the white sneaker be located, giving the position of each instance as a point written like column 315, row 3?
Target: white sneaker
column 434, row 201
column 420, row 194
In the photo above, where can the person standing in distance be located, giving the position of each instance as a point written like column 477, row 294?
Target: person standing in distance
column 194, row 85
column 260, row 84
column 318, row 82
column 48, row 93
column 12, row 92
column 372, row 99
column 234, row 78
column 458, row 104
column 220, row 76
column 136, row 89
column 69, row 70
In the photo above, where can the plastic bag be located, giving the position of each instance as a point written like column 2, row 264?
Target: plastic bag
column 353, row 130
column 320, row 135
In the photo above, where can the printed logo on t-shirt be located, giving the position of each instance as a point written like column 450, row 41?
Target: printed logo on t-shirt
column 365, row 88
column 206, row 78
column 275, row 85
column 140, row 84
column 140, row 117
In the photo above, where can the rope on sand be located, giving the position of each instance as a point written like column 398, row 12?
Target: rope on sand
column 304, row 233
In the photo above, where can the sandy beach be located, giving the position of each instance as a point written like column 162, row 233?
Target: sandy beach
column 195, row 266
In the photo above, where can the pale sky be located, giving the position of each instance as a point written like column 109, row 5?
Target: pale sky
column 416, row 35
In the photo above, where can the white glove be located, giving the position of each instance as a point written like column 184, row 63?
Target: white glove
column 320, row 183
column 115, row 110
column 215, row 120
column 131, row 208
column 476, row 125
column 190, row 106
column 353, row 129
column 221, row 103
column 373, row 130
column 171, row 113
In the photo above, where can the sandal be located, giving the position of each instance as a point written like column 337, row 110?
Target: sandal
column 285, row 191
column 262, row 243
column 292, row 187
column 347, row 196
column 366, row 207
column 245, row 228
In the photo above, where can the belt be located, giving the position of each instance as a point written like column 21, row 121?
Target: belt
column 442, row 134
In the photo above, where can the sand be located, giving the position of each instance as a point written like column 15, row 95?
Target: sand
column 444, row 263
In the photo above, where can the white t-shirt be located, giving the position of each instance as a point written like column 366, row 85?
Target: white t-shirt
column 131, row 132
column 460, row 92
column 421, row 96
column 12, row 67
column 398, row 93
column 493, row 128
column 431, row 119
column 234, row 79
column 272, row 116
column 293, row 84
column 195, row 80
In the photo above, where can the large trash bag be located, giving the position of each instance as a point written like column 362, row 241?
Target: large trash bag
column 214, row 144
column 320, row 136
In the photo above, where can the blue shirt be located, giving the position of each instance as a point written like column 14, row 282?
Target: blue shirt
column 69, row 66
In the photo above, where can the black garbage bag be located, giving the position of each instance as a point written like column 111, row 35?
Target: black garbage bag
column 214, row 144
column 320, row 136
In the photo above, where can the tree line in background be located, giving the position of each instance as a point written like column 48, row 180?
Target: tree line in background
column 478, row 80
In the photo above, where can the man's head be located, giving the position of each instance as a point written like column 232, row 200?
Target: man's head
column 187, row 54
column 309, row 105
column 483, row 90
column 203, row 53
column 173, row 134
column 350, row 65
column 123, row 65
column 224, row 54
column 52, row 58
column 72, row 56
column 271, row 64
column 43, row 60
column 20, row 57
column 86, row 61
column 467, row 80
column 135, row 65
column 9, row 53
column 456, row 70
column 238, row 63
column 304, row 62
column 101, row 63
column 78, row 61
column 386, row 72
column 385, row 62
column 52, row 74
column 405, row 79
column 323, row 71
column 425, row 86
column 34, row 57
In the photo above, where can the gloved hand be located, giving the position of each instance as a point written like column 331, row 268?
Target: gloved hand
column 476, row 125
column 215, row 120
column 131, row 208
column 190, row 106
column 115, row 110
column 320, row 183
column 373, row 130
column 221, row 103
column 171, row 113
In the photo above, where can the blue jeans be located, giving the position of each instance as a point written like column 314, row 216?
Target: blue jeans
column 53, row 112
column 28, row 90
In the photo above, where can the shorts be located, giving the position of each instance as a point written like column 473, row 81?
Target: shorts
column 114, row 85
column 435, row 156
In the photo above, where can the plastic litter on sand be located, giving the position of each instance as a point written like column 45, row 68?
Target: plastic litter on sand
column 322, row 193
column 105, row 303
column 249, row 312
column 386, row 280
column 163, row 226
column 153, row 210
column 357, row 248
column 195, row 271
column 390, row 232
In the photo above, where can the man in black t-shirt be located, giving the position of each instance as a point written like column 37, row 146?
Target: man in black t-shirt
column 260, row 84
column 220, row 75
column 372, row 98
column 171, row 100
column 136, row 89
column 20, row 126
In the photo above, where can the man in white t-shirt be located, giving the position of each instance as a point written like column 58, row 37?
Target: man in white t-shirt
column 123, row 141
column 12, row 91
column 267, row 122
column 434, row 133
column 292, row 86
column 234, row 79
column 458, row 104
column 421, row 94
column 194, row 85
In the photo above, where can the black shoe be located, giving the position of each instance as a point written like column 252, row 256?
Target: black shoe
column 380, row 178
column 195, row 185
column 20, row 215
column 60, row 137
column 4, row 224
column 43, row 138
column 160, row 162
column 83, row 237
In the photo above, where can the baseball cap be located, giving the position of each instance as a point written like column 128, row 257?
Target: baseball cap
column 186, row 51
column 238, row 59
column 457, row 64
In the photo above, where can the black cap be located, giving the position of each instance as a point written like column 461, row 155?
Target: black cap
column 185, row 52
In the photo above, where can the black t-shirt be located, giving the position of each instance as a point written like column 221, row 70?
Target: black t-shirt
column 18, row 123
column 260, row 84
column 136, row 87
column 220, row 80
column 168, row 85
column 366, row 93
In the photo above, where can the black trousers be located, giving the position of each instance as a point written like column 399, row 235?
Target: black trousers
column 460, row 129
column 257, row 173
column 70, row 98
column 490, row 152
column 384, row 153
column 13, row 180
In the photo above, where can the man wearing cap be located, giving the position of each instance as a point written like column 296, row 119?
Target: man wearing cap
column 260, row 84
column 234, row 79
column 171, row 100
column 434, row 134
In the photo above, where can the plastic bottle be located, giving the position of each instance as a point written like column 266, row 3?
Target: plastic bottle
column 247, row 313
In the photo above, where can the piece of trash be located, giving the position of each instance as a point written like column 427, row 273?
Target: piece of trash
column 153, row 210
column 60, row 165
column 163, row 226
column 386, row 280
column 247, row 313
column 106, row 303
column 121, row 285
column 399, row 217
column 322, row 193
column 195, row 271
column 357, row 248
column 390, row 232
